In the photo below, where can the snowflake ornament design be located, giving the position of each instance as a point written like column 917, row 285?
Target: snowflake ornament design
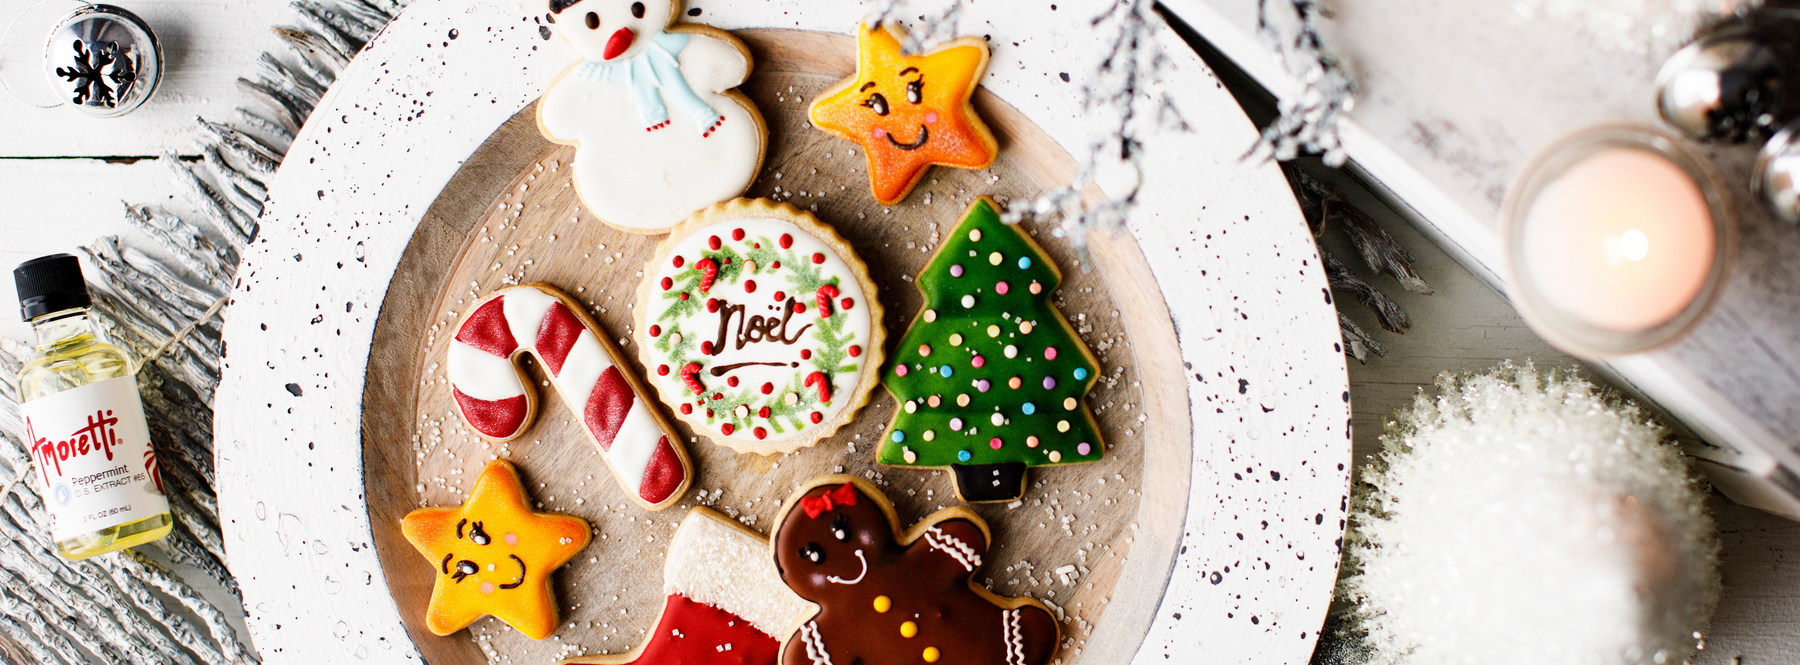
column 102, row 74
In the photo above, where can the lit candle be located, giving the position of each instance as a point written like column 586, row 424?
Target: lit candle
column 1613, row 243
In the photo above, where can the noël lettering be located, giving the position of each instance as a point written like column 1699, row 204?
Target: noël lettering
column 756, row 328
column 99, row 435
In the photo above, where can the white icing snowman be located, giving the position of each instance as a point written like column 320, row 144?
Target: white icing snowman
column 658, row 130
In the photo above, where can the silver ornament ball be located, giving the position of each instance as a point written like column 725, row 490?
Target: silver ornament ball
column 103, row 61
column 1776, row 177
column 1726, row 87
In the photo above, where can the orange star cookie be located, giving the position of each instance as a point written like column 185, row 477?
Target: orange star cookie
column 494, row 555
column 909, row 111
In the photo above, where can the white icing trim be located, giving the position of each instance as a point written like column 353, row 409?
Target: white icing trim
column 955, row 547
column 482, row 375
column 815, row 644
column 859, row 576
column 634, row 445
column 581, row 369
column 1015, row 639
column 525, row 308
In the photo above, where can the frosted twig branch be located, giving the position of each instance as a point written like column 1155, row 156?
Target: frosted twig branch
column 1308, row 122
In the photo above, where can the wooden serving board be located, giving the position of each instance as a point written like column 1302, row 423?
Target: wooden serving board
column 509, row 217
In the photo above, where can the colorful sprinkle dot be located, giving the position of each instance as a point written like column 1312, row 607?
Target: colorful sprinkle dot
column 1055, row 456
column 1049, row 383
column 1050, row 353
column 955, row 339
column 968, row 301
column 727, row 429
column 1025, row 327
column 994, row 443
column 956, row 424
column 855, row 350
column 1028, row 408
column 930, row 315
column 974, row 235
column 931, row 653
column 899, row 370
column 962, row 455
column 907, row 454
column 1083, row 449
column 924, row 350
column 819, row 257
column 667, row 283
column 997, row 419
column 1014, row 383
column 945, row 371
column 1001, row 288
column 737, row 234
column 713, row 242
column 1031, row 441
column 956, row 270
column 909, row 629
column 655, row 330
column 897, row 436
column 911, row 406
column 962, row 400
column 933, row 401
column 1069, row 404
column 1036, row 288
column 816, row 417
column 1011, row 352
column 978, row 361
column 993, row 330
column 1080, row 373
column 1062, row 425
column 749, row 286
column 1024, row 262
column 995, row 258
column 929, row 435
column 679, row 261
column 983, row 385
column 882, row 603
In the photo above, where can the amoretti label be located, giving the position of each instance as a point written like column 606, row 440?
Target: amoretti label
column 92, row 452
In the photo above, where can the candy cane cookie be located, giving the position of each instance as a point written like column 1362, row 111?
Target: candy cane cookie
column 637, row 443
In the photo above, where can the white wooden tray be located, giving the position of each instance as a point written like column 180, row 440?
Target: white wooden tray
column 1239, row 569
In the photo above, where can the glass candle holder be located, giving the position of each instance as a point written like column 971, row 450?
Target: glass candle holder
column 1618, row 240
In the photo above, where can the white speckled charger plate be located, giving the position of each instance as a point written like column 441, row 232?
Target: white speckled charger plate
column 1249, row 573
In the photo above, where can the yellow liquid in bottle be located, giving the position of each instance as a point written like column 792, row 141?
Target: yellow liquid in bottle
column 74, row 359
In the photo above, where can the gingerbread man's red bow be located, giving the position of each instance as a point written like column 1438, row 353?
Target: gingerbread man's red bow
column 817, row 505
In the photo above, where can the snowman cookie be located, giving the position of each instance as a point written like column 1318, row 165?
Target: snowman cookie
column 759, row 326
column 887, row 597
column 659, row 131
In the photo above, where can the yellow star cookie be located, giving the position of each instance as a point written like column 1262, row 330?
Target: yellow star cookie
column 909, row 111
column 494, row 555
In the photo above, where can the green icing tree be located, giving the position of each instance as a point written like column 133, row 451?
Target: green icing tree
column 990, row 377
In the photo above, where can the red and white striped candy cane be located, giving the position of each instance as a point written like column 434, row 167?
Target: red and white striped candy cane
column 491, row 393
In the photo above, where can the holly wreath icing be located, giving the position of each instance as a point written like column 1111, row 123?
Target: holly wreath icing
column 990, row 377
column 757, row 326
column 494, row 555
column 901, row 598
column 909, row 111
column 658, row 128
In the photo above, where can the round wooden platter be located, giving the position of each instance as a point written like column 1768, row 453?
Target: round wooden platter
column 1211, row 527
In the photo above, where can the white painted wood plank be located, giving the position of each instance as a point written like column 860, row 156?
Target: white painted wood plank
column 206, row 45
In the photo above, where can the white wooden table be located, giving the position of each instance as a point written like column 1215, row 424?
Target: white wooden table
column 61, row 192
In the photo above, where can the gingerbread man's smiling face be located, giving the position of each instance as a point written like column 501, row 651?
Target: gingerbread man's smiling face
column 834, row 538
column 608, row 30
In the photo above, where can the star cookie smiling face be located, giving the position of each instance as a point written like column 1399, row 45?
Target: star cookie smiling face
column 909, row 111
column 891, row 597
column 759, row 326
column 494, row 555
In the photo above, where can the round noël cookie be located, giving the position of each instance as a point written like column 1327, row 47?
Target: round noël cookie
column 759, row 326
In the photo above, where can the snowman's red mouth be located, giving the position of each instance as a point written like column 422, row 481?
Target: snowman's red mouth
column 618, row 43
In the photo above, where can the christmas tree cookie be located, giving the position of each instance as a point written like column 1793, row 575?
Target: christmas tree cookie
column 759, row 326
column 494, row 555
column 909, row 111
column 990, row 378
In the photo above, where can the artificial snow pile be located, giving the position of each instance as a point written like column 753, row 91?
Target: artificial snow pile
column 1527, row 518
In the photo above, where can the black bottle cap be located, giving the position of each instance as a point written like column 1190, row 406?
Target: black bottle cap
column 50, row 284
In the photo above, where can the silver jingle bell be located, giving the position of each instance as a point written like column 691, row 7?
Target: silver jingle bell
column 104, row 60
column 1725, row 87
column 1776, row 177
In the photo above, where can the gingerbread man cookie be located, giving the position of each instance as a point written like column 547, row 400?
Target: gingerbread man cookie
column 892, row 598
column 651, row 107
column 909, row 111
column 494, row 555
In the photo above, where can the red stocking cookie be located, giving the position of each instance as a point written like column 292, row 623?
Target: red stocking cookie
column 892, row 598
column 725, row 605
column 491, row 394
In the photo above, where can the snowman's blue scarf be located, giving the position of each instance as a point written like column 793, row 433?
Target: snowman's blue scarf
column 654, row 75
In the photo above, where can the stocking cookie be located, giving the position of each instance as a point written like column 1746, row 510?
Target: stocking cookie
column 658, row 128
column 637, row 444
column 890, row 598
column 494, row 555
column 725, row 604
column 759, row 326
column 909, row 111
column 990, row 377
